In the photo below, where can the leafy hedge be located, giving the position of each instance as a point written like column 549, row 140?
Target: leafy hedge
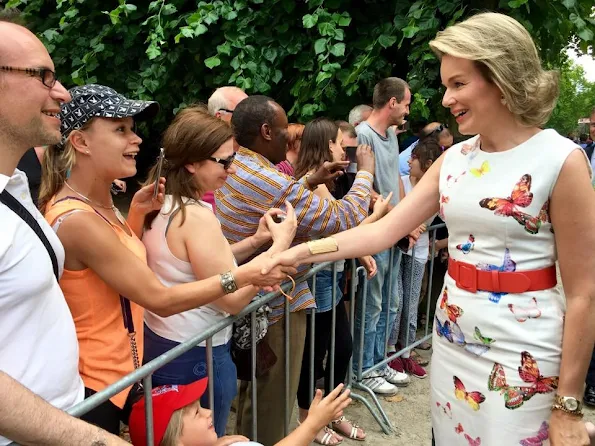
column 314, row 57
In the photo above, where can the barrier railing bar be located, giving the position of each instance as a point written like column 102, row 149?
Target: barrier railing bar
column 286, row 368
column 147, row 385
column 211, row 381
column 254, row 381
column 333, row 326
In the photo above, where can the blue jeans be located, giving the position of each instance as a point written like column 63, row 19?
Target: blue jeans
column 324, row 290
column 382, row 294
column 192, row 366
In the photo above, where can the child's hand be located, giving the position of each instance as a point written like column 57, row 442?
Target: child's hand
column 230, row 439
column 323, row 411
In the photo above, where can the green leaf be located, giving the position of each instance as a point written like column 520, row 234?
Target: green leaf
column 586, row 34
column 338, row 49
column 224, row 48
column 71, row 13
column 569, row 3
column 517, row 3
column 169, row 9
column 50, row 34
column 326, row 29
column 212, row 62
column 387, row 41
column 130, row 7
column 151, row 84
column 309, row 109
column 154, row 5
column 235, row 63
column 339, row 34
column 277, row 76
column 153, row 51
column 270, row 54
column 320, row 46
column 200, row 29
column 309, row 20
column 410, row 31
column 322, row 76
column 345, row 19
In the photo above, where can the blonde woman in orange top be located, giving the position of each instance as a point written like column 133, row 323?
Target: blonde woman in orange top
column 105, row 260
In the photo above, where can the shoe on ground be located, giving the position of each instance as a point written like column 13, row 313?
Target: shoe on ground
column 589, row 398
column 397, row 364
column 413, row 368
column 396, row 378
column 380, row 386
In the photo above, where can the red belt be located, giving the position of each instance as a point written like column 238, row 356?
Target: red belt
column 469, row 278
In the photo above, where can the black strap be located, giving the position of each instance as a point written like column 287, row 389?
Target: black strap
column 14, row 205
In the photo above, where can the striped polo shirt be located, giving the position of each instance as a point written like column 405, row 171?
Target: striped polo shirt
column 257, row 186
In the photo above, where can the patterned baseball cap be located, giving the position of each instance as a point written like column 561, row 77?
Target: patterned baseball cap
column 90, row 101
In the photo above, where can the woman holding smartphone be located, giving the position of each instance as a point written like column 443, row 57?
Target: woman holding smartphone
column 106, row 281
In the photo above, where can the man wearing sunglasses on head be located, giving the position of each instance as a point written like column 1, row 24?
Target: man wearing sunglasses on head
column 38, row 345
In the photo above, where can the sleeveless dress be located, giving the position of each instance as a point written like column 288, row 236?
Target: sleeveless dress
column 497, row 356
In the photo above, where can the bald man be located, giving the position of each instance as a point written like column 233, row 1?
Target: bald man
column 437, row 129
column 38, row 344
column 224, row 100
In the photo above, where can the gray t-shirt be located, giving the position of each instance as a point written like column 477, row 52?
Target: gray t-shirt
column 386, row 151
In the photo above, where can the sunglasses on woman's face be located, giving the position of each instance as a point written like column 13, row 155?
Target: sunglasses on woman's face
column 225, row 162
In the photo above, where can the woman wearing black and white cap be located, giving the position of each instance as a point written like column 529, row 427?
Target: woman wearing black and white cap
column 105, row 260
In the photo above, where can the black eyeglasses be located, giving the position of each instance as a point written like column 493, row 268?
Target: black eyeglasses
column 226, row 110
column 225, row 162
column 438, row 129
column 45, row 75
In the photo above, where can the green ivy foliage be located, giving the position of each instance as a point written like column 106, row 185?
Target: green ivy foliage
column 314, row 56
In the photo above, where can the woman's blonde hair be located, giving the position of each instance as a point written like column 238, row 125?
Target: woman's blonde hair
column 58, row 161
column 507, row 56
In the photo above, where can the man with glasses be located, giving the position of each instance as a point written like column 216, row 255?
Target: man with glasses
column 38, row 344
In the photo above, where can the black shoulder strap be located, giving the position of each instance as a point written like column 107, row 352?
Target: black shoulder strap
column 14, row 205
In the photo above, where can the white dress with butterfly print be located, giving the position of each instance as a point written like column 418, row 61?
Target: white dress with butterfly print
column 497, row 356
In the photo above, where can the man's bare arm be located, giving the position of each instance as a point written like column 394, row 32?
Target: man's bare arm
column 27, row 419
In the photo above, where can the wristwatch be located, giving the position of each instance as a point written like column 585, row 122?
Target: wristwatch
column 308, row 185
column 568, row 404
column 228, row 283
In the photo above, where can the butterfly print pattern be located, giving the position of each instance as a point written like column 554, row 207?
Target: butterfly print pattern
column 451, row 180
column 452, row 311
column 480, row 171
column 443, row 200
column 453, row 334
column 515, row 396
column 508, row 265
column 521, row 197
column 446, row 409
column 468, row 246
column 537, row 440
column 459, row 428
column 473, row 399
column 523, row 313
column 473, row 441
column 478, row 336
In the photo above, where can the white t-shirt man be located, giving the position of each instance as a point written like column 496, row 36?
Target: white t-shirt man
column 38, row 344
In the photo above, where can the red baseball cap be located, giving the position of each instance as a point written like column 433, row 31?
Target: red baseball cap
column 166, row 400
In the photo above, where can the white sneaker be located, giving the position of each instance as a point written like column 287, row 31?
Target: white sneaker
column 380, row 386
column 394, row 377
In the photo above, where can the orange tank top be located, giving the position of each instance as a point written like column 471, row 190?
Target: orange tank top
column 104, row 344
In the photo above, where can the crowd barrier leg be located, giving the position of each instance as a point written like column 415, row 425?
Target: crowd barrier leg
column 148, row 390
column 333, row 327
column 253, row 383
column 210, row 375
column 288, row 410
column 312, row 380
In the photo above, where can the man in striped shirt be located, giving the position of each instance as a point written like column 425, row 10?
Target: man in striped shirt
column 260, row 127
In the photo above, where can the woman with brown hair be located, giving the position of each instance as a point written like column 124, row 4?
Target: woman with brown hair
column 510, row 350
column 184, row 243
column 106, row 281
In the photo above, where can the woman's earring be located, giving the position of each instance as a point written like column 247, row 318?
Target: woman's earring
column 503, row 100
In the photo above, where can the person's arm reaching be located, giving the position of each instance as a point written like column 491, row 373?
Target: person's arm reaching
column 322, row 217
column 417, row 207
column 321, row 413
column 27, row 419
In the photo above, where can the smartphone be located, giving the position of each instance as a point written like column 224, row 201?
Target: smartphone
column 159, row 167
column 405, row 126
column 350, row 151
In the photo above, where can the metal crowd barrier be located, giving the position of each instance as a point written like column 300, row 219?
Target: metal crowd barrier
column 145, row 372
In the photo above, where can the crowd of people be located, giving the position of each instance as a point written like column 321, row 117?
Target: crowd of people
column 241, row 199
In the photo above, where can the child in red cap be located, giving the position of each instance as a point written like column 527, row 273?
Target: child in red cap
column 179, row 420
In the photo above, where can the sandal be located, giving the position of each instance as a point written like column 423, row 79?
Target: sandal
column 326, row 436
column 424, row 346
column 353, row 432
column 418, row 358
